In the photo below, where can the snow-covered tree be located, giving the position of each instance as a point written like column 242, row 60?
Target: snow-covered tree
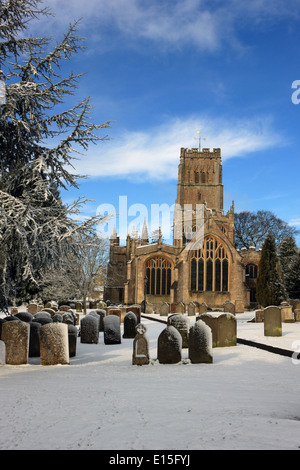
column 290, row 266
column 37, row 144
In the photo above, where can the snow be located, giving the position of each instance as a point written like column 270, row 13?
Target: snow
column 247, row 399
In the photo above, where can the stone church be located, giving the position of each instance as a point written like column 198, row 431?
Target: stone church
column 212, row 271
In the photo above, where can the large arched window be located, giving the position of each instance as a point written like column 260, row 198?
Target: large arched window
column 209, row 267
column 158, row 272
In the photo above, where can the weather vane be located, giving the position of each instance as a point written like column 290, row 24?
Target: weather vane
column 199, row 139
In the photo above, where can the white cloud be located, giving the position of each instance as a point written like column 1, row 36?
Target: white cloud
column 154, row 153
column 295, row 222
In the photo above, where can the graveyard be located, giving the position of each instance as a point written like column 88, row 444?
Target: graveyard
column 145, row 383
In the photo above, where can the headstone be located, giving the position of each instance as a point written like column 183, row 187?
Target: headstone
column 24, row 316
column 200, row 343
column 130, row 322
column 259, row 316
column 112, row 329
column 169, row 346
column 287, row 315
column 211, row 321
column 57, row 318
column 95, row 315
column 114, row 311
column 164, row 309
column 229, row 307
column 72, row 339
column 54, row 344
column 32, row 308
column 67, row 317
column 140, row 354
column 43, row 315
column 50, row 310
column 149, row 308
column 15, row 335
column 272, row 321
column 136, row 309
column 78, row 307
column 64, row 308
column 53, row 305
column 297, row 314
column 182, row 324
column 34, row 339
column 43, row 320
column 14, row 310
column 180, row 308
column 2, row 353
column 227, row 329
column 89, row 330
column 191, row 309
column 203, row 308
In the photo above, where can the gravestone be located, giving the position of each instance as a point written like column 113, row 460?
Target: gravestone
column 64, row 308
column 32, row 308
column 180, row 308
column 42, row 320
column 226, row 330
column 203, row 308
column 43, row 314
column 57, row 318
column 72, row 339
column 200, row 343
column 259, row 316
column 182, row 324
column 169, row 346
column 54, row 344
column 287, row 315
column 68, row 318
column 24, row 316
column 50, row 310
column 136, row 309
column 89, row 330
column 34, row 339
column 114, row 311
column 191, row 309
column 2, row 353
column 130, row 322
column 297, row 314
column 78, row 307
column 229, row 307
column 95, row 315
column 140, row 355
column 15, row 335
column 163, row 309
column 112, row 329
column 272, row 321
column 14, row 310
column 149, row 308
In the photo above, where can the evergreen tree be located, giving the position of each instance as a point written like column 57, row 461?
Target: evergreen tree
column 292, row 277
column 288, row 249
column 37, row 145
column 270, row 289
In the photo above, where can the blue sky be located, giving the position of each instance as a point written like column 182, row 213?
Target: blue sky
column 163, row 70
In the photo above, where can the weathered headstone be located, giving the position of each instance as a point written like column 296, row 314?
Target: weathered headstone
column 78, row 307
column 169, row 346
column 50, row 310
column 136, row 309
column 229, row 307
column 114, row 311
column 130, row 322
column 112, row 329
column 64, row 308
column 140, row 354
column 101, row 313
column 272, row 321
column 57, row 318
column 68, row 318
column 32, row 308
column 43, row 320
column 2, row 353
column 15, row 335
column 72, row 338
column 89, row 330
column 180, row 308
column 43, row 314
column 164, row 309
column 223, row 327
column 200, row 343
column 182, row 324
column 297, row 314
column 191, row 309
column 259, row 316
column 287, row 315
column 34, row 339
column 54, row 344
column 203, row 308
column 95, row 315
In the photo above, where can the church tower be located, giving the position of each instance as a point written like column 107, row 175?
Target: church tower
column 200, row 178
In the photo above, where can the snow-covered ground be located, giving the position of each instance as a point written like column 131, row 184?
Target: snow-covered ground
column 247, row 399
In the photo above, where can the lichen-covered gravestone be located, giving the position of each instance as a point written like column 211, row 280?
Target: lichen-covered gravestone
column 130, row 322
column 112, row 329
column 181, row 323
column 140, row 356
column 15, row 335
column 272, row 321
column 169, row 346
column 200, row 343
column 89, row 330
column 54, row 344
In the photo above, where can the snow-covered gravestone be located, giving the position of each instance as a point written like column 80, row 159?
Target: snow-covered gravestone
column 15, row 335
column 101, row 313
column 140, row 356
column 54, row 344
column 200, row 343
column 24, row 316
column 72, row 338
column 112, row 329
column 130, row 322
column 89, row 330
column 169, row 346
column 181, row 323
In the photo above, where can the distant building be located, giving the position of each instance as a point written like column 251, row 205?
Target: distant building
column 213, row 272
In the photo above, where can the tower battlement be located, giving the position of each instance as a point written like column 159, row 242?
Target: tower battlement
column 195, row 152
